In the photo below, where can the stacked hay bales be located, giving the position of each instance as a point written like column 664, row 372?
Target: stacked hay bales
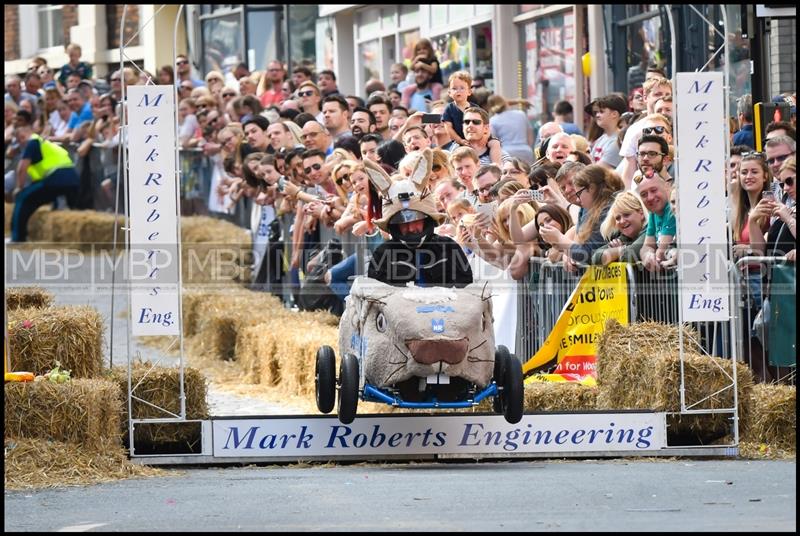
column 214, row 251
column 71, row 335
column 771, row 417
column 64, row 434
column 26, row 297
column 157, row 391
column 639, row 368
column 83, row 411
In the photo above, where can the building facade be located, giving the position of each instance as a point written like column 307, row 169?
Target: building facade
column 541, row 53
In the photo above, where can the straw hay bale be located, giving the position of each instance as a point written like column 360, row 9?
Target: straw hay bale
column 160, row 386
column 39, row 225
column 296, row 345
column 771, row 418
column 220, row 317
column 214, row 251
column 624, row 359
column 559, row 396
column 85, row 412
column 25, row 297
column 257, row 356
column 71, row 335
column 639, row 368
column 40, row 463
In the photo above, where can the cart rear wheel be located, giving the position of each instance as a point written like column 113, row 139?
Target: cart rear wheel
column 325, row 379
column 348, row 388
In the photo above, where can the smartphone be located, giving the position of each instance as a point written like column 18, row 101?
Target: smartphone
column 431, row 118
column 281, row 183
column 769, row 195
column 535, row 195
column 486, row 208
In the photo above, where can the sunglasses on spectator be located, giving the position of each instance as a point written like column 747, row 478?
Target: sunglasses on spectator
column 228, row 94
column 778, row 159
column 647, row 131
column 649, row 154
column 340, row 180
column 788, row 181
column 181, row 62
column 753, row 154
column 315, row 167
column 309, row 93
column 436, row 167
column 473, row 121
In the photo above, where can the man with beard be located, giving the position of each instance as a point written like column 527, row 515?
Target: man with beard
column 362, row 122
column 417, row 96
column 652, row 157
column 654, row 191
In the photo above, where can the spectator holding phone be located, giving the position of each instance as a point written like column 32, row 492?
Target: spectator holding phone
column 755, row 181
column 781, row 237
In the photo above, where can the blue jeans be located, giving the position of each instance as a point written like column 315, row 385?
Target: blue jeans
column 340, row 273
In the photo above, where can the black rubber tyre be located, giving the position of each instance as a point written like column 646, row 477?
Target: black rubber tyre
column 348, row 389
column 513, row 397
column 325, row 379
column 501, row 358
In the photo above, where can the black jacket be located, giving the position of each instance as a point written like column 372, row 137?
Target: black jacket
column 440, row 261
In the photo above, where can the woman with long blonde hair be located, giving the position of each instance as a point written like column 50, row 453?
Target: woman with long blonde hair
column 625, row 228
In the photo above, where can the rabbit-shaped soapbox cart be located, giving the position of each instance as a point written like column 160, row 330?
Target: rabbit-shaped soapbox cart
column 416, row 347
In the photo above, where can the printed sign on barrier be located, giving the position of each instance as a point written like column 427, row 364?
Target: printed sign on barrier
column 438, row 434
column 154, row 256
column 568, row 354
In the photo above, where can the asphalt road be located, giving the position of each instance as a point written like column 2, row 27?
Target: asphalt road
column 544, row 495
column 591, row 495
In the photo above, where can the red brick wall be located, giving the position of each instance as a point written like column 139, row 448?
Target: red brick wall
column 69, row 18
column 12, row 31
column 113, row 18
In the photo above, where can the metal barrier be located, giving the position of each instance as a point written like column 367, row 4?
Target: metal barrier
column 653, row 296
column 540, row 299
column 766, row 299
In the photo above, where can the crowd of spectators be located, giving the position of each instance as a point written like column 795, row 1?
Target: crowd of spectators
column 286, row 153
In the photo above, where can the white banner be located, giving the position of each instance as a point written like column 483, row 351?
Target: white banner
column 700, row 177
column 153, row 211
column 439, row 434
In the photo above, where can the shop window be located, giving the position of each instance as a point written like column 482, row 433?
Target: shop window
column 369, row 22
column 452, row 50
column 409, row 16
column 483, row 54
column 262, row 38
column 408, row 41
column 302, row 36
column 222, row 43
column 549, row 72
column 369, row 55
column 51, row 33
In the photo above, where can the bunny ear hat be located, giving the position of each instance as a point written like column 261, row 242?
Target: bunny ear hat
column 399, row 193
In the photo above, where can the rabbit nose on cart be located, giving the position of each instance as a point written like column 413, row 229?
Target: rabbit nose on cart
column 428, row 352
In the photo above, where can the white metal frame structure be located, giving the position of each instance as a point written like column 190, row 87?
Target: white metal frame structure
column 123, row 175
column 208, row 427
column 689, row 407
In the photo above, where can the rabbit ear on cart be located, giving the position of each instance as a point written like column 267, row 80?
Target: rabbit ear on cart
column 378, row 177
column 421, row 168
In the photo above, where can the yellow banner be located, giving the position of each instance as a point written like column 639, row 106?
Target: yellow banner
column 568, row 354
